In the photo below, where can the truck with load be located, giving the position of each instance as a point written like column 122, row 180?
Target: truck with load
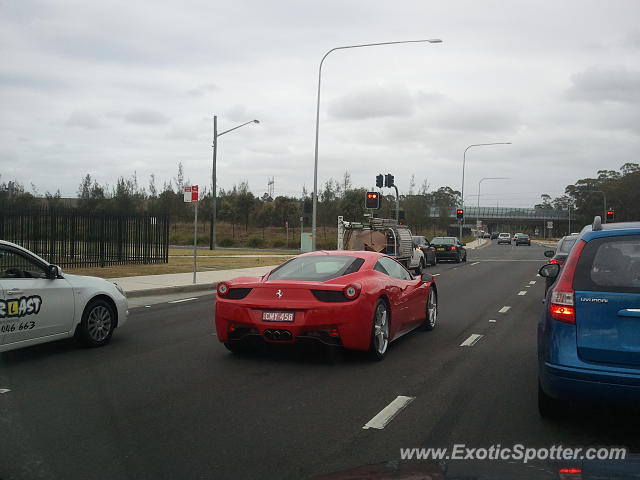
column 381, row 235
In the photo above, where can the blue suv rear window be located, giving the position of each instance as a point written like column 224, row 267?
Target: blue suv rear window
column 610, row 264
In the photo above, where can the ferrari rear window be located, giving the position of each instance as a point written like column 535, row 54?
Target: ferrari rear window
column 317, row 268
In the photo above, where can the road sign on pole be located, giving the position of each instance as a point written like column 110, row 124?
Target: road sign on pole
column 191, row 195
column 550, row 225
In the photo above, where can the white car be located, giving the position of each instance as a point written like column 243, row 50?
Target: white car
column 417, row 262
column 39, row 303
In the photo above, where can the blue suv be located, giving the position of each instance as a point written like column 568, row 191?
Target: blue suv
column 589, row 332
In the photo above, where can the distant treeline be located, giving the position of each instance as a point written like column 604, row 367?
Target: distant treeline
column 240, row 207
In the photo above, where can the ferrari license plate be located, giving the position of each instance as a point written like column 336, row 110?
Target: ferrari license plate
column 278, row 316
column 440, row 249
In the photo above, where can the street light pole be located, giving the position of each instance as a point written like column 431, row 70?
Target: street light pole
column 482, row 180
column 315, row 164
column 464, row 161
column 214, row 189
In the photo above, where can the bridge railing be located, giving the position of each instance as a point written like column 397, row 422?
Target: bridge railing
column 503, row 213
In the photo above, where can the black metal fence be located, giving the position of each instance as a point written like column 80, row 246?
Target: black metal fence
column 71, row 238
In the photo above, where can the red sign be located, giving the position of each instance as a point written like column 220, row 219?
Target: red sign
column 191, row 194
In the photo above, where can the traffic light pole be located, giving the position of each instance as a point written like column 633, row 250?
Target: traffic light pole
column 397, row 204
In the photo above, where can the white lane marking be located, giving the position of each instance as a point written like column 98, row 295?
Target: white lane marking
column 537, row 274
column 147, row 306
column 184, row 300
column 472, row 340
column 504, row 310
column 388, row 413
column 522, row 292
column 4, row 390
column 436, row 274
column 533, row 282
column 474, row 263
column 492, row 321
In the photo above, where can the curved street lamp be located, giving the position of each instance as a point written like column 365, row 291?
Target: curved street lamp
column 315, row 167
column 214, row 193
column 464, row 161
column 482, row 180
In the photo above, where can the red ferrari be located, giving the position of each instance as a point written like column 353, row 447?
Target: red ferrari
column 357, row 300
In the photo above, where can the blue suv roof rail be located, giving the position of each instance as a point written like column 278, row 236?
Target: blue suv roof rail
column 597, row 223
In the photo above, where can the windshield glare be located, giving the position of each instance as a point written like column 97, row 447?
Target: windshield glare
column 317, row 268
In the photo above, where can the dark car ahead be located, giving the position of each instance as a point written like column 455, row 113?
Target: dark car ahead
column 559, row 256
column 522, row 239
column 589, row 332
column 494, row 235
column 565, row 244
column 449, row 248
column 429, row 250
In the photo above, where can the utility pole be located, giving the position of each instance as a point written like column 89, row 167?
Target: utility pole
column 214, row 189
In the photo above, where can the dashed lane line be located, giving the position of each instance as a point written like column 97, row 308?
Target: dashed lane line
column 522, row 292
column 183, row 300
column 388, row 413
column 472, row 340
column 504, row 309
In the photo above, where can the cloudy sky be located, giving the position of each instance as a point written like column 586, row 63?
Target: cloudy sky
column 112, row 88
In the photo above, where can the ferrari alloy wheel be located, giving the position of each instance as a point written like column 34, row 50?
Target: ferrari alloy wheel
column 380, row 331
column 432, row 310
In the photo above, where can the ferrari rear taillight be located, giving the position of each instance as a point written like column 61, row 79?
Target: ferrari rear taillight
column 333, row 332
column 352, row 291
column 223, row 289
column 562, row 305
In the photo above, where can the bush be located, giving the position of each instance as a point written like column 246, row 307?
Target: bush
column 278, row 243
column 255, row 242
column 326, row 244
column 226, row 242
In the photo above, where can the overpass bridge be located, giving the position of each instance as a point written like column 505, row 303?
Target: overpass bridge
column 510, row 219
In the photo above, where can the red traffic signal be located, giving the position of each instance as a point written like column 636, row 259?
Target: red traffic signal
column 372, row 200
column 610, row 214
column 460, row 213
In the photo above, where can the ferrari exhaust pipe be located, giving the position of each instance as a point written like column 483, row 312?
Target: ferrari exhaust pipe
column 286, row 335
column 276, row 335
column 268, row 334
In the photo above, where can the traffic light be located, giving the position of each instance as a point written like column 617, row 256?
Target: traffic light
column 610, row 215
column 372, row 201
column 379, row 180
column 388, row 180
column 460, row 214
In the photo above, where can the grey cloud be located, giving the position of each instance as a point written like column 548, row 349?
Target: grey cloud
column 476, row 118
column 238, row 113
column 632, row 40
column 39, row 82
column 373, row 103
column 143, row 116
column 202, row 90
column 84, row 120
column 614, row 84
